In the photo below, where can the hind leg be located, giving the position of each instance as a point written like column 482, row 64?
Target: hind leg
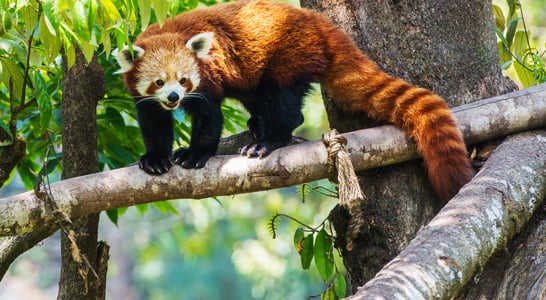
column 276, row 112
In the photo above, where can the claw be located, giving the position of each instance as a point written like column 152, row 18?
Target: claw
column 257, row 150
column 154, row 164
column 186, row 158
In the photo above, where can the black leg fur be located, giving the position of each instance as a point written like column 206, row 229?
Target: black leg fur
column 156, row 125
column 207, row 121
column 276, row 112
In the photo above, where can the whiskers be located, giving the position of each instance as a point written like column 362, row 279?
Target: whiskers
column 144, row 99
column 187, row 97
column 195, row 96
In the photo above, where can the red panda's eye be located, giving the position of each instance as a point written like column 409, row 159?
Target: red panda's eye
column 183, row 80
column 160, row 82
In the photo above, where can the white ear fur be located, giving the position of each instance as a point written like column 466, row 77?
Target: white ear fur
column 201, row 44
column 125, row 59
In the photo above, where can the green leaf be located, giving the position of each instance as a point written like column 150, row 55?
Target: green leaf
column 165, row 207
column 324, row 260
column 42, row 97
column 142, row 208
column 340, row 285
column 70, row 53
column 521, row 49
column 299, row 236
column 8, row 44
column 106, row 42
column 30, row 17
column 113, row 215
column 51, row 43
column 5, row 127
column 44, row 101
column 511, row 8
column 329, row 294
column 499, row 17
column 512, row 26
column 110, row 11
column 521, row 46
column 145, row 12
column 161, row 8
column 13, row 73
column 306, row 254
column 120, row 153
column 525, row 76
column 50, row 21
column 504, row 54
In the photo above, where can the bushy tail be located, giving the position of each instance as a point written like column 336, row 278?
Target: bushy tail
column 359, row 86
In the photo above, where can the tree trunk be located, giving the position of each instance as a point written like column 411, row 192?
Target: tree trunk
column 446, row 46
column 83, row 87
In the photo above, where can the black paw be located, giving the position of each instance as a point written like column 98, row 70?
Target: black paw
column 188, row 159
column 155, row 164
column 260, row 149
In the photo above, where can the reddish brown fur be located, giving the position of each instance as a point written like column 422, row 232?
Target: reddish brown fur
column 258, row 40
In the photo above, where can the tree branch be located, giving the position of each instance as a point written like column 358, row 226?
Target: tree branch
column 481, row 219
column 291, row 165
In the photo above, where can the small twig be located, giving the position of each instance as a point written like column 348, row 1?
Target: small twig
column 298, row 221
column 516, row 58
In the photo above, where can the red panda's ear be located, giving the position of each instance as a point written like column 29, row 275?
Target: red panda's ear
column 201, row 44
column 125, row 60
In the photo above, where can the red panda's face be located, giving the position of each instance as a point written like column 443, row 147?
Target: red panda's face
column 164, row 72
column 167, row 76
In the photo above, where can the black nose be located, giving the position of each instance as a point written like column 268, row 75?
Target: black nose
column 173, row 97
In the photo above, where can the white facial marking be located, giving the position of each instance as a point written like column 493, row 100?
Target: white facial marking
column 171, row 87
column 142, row 86
column 195, row 79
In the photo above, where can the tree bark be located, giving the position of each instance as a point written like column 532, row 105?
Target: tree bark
column 83, row 87
column 481, row 219
column 516, row 271
column 446, row 46
column 227, row 175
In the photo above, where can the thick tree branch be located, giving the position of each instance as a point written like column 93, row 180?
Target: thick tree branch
column 481, row 219
column 228, row 175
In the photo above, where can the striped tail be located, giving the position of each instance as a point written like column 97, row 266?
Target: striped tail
column 359, row 86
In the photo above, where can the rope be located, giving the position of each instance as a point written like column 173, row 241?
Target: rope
column 350, row 194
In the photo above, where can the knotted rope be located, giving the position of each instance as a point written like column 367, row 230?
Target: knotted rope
column 350, row 194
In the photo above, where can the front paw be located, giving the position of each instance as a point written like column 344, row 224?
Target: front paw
column 189, row 159
column 260, row 149
column 155, row 164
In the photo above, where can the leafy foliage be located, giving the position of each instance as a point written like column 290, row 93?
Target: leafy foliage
column 315, row 243
column 33, row 34
column 515, row 45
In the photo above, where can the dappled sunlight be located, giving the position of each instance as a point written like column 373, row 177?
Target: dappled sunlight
column 251, row 257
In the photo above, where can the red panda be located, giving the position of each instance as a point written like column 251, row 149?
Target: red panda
column 266, row 54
